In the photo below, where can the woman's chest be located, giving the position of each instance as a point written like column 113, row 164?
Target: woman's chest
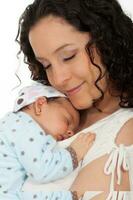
column 98, row 176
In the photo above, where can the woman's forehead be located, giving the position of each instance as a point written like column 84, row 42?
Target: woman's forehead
column 51, row 34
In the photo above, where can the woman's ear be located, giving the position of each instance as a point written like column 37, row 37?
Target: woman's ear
column 41, row 101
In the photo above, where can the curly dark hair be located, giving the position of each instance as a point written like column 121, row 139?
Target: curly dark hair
column 111, row 31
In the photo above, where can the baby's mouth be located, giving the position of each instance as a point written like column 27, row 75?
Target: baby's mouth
column 60, row 137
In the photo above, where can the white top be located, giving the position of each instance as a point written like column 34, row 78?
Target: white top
column 106, row 131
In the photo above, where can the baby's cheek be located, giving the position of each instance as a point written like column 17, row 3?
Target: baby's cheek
column 60, row 128
column 64, row 128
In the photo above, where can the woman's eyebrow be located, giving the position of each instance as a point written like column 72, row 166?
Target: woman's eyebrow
column 62, row 47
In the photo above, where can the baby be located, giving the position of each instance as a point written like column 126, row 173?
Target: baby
column 28, row 142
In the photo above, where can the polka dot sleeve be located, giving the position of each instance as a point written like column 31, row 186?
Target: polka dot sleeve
column 57, row 195
column 38, row 152
column 26, row 151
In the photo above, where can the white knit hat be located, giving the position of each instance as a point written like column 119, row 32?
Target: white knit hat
column 29, row 94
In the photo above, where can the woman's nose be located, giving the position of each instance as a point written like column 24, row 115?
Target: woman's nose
column 61, row 76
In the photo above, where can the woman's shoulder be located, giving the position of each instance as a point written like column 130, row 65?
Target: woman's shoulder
column 125, row 135
column 123, row 123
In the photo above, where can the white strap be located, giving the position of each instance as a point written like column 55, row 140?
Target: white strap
column 112, row 196
column 117, row 160
column 115, row 195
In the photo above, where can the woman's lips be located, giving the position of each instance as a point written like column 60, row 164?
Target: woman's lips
column 74, row 90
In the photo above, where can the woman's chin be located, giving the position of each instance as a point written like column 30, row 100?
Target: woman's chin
column 81, row 105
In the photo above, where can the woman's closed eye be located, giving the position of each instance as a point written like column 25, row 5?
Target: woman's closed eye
column 44, row 64
column 69, row 58
column 46, row 67
column 64, row 59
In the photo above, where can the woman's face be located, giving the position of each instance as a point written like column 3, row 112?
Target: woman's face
column 61, row 50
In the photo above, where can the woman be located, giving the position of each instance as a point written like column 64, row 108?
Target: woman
column 84, row 49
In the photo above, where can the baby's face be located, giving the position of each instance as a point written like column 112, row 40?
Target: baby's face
column 62, row 118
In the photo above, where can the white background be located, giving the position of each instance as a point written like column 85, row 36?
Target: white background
column 9, row 14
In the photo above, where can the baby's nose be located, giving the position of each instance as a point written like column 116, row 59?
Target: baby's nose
column 70, row 133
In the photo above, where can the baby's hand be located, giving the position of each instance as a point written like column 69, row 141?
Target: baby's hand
column 82, row 144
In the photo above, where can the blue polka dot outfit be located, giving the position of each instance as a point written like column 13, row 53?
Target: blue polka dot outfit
column 27, row 151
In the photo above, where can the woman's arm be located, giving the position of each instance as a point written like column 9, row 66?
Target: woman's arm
column 125, row 136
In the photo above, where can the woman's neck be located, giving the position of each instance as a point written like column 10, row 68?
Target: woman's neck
column 108, row 105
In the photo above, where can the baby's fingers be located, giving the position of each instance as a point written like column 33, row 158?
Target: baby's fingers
column 88, row 136
column 91, row 136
